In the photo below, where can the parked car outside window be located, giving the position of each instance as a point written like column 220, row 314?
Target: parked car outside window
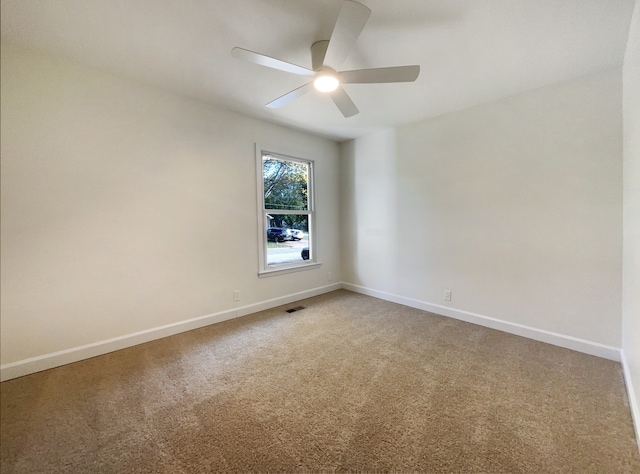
column 277, row 234
column 296, row 234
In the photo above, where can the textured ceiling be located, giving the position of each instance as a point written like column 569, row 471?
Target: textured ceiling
column 470, row 51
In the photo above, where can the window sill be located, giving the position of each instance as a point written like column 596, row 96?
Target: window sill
column 283, row 270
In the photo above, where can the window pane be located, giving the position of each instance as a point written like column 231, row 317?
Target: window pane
column 285, row 184
column 287, row 238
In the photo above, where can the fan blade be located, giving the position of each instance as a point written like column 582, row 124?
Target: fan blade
column 344, row 102
column 379, row 75
column 318, row 51
column 351, row 20
column 289, row 96
column 268, row 61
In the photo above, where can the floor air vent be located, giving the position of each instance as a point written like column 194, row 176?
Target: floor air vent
column 293, row 310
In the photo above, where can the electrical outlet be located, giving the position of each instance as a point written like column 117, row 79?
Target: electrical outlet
column 447, row 295
column 329, row 276
column 236, row 295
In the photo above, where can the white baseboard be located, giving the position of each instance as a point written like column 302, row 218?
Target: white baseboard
column 633, row 401
column 75, row 354
column 568, row 342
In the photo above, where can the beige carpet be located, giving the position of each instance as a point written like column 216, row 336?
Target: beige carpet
column 349, row 383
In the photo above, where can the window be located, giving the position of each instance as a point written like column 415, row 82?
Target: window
column 286, row 214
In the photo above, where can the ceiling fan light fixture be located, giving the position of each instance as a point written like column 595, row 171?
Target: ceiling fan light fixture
column 327, row 54
column 326, row 83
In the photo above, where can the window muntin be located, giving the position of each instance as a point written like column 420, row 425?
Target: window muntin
column 285, row 204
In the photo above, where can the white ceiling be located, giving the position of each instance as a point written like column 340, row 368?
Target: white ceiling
column 470, row 51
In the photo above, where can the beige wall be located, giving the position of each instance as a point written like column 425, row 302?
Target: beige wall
column 125, row 208
column 631, row 245
column 516, row 206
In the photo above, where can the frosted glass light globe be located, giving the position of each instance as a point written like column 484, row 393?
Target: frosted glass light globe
column 326, row 83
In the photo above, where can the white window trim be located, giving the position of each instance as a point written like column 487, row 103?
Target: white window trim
column 265, row 270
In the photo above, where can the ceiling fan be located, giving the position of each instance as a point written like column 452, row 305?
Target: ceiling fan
column 326, row 56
